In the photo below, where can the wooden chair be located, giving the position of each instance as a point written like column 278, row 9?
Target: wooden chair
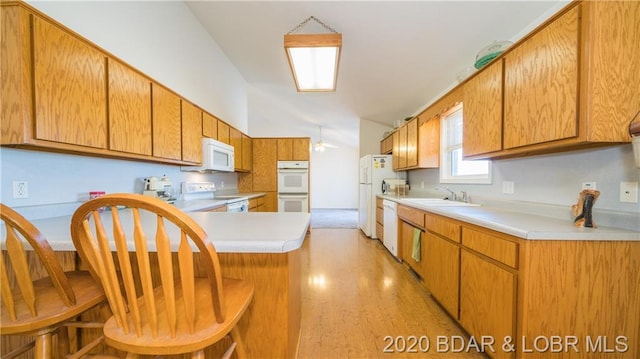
column 43, row 306
column 165, row 313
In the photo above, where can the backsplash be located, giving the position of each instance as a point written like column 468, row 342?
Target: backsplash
column 554, row 179
column 57, row 183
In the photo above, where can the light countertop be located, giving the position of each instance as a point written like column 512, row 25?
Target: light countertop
column 523, row 224
column 252, row 232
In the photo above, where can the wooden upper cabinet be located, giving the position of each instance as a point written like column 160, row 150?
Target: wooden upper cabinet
column 429, row 142
column 235, row 140
column 395, row 137
column 264, row 165
column 129, row 110
column 191, row 132
column 301, row 149
column 294, row 148
column 69, row 86
column 247, row 153
column 167, row 136
column 285, row 149
column 402, row 147
column 209, row 126
column 412, row 143
column 224, row 134
column 612, row 83
column 482, row 111
column 541, row 85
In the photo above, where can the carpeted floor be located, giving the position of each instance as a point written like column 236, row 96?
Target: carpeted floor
column 334, row 218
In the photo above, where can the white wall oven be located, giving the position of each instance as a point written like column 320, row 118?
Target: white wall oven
column 293, row 186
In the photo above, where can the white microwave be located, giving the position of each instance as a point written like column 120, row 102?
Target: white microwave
column 216, row 156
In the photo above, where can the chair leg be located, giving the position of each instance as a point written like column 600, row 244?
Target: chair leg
column 241, row 353
column 63, row 342
column 43, row 346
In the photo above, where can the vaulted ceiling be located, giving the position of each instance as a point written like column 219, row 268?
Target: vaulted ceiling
column 397, row 56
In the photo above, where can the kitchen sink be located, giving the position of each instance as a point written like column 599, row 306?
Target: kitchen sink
column 439, row 202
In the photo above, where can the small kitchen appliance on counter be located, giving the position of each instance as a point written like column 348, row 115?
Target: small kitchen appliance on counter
column 159, row 188
column 395, row 187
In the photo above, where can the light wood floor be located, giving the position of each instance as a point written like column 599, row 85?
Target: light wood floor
column 354, row 294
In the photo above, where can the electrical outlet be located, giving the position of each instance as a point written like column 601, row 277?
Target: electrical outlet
column 221, row 184
column 20, row 189
column 629, row 192
column 588, row 185
column 508, row 187
column 422, row 184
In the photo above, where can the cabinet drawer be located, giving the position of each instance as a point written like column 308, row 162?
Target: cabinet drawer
column 497, row 248
column 380, row 215
column 411, row 215
column 253, row 203
column 443, row 227
column 379, row 202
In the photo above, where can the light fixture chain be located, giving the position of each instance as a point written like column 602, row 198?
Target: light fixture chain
column 307, row 20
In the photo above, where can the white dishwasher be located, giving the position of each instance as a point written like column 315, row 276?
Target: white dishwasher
column 390, row 223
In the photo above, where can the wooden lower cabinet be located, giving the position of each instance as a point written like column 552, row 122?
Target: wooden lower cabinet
column 487, row 300
column 585, row 292
column 379, row 219
column 442, row 271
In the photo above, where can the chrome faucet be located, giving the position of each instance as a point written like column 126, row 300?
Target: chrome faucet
column 450, row 194
column 465, row 197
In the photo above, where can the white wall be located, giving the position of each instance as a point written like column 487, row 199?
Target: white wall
column 162, row 40
column 370, row 135
column 553, row 179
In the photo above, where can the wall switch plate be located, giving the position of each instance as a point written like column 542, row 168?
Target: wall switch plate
column 588, row 185
column 629, row 192
column 20, row 189
column 508, row 187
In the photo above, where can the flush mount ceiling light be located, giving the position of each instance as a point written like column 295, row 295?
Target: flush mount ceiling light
column 313, row 58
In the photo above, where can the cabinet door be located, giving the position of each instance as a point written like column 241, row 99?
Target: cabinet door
column 482, row 111
column 191, row 132
column 402, row 147
column 209, row 126
column 442, row 271
column 129, row 110
column 247, row 153
column 541, row 85
column 412, row 143
column 301, row 149
column 264, row 165
column 235, row 139
column 167, row 137
column 395, row 139
column 406, row 240
column 429, row 143
column 285, row 149
column 70, row 88
column 487, row 299
column 224, row 134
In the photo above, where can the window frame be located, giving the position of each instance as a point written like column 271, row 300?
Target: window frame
column 447, row 149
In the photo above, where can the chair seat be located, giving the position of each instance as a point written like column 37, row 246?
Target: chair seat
column 51, row 309
column 237, row 296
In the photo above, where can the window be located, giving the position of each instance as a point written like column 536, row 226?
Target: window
column 453, row 169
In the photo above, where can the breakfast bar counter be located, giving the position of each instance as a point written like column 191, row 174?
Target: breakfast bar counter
column 261, row 247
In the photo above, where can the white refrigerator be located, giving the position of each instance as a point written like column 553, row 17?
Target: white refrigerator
column 373, row 169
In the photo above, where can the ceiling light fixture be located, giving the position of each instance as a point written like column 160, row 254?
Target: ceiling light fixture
column 313, row 58
column 320, row 146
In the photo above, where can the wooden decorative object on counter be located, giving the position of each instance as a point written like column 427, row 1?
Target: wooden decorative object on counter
column 583, row 209
column 175, row 312
column 40, row 307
